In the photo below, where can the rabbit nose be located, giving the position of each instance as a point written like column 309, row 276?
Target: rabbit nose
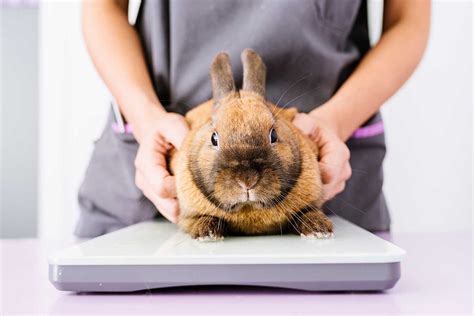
column 247, row 184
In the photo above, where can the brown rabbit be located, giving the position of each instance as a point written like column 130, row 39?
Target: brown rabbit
column 245, row 168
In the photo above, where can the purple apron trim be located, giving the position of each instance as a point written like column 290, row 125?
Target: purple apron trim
column 128, row 128
column 369, row 130
column 362, row 132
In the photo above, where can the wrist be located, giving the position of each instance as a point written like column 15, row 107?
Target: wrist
column 326, row 116
column 341, row 116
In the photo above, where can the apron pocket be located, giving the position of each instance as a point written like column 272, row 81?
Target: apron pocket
column 108, row 196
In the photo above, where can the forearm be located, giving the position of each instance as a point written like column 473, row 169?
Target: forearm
column 382, row 71
column 116, row 51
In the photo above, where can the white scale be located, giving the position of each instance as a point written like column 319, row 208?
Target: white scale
column 156, row 254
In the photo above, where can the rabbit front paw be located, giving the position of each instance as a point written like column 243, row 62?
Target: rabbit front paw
column 207, row 228
column 314, row 225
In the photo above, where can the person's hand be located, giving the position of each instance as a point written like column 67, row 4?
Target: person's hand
column 333, row 152
column 168, row 130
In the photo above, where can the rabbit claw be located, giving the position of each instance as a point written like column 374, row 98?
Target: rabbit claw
column 318, row 235
column 211, row 237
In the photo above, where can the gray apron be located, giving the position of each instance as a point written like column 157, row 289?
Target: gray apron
column 310, row 47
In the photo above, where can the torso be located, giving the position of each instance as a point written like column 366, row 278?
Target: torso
column 310, row 48
column 318, row 42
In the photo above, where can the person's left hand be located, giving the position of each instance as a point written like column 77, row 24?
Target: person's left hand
column 333, row 152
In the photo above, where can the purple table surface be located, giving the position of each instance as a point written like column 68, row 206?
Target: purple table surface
column 436, row 278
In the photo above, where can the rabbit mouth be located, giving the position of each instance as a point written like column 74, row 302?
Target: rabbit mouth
column 249, row 196
column 246, row 198
column 244, row 204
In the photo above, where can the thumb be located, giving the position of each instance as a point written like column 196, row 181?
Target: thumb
column 304, row 123
column 176, row 133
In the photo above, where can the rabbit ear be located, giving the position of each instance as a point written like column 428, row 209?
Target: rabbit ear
column 221, row 77
column 254, row 72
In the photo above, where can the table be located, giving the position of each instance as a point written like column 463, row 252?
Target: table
column 436, row 278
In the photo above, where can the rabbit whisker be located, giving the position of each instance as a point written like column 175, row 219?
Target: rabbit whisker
column 291, row 86
column 335, row 165
column 351, row 205
column 301, row 95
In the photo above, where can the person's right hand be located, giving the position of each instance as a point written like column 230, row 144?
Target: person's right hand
column 334, row 154
column 152, row 176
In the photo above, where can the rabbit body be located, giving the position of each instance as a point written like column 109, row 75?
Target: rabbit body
column 244, row 168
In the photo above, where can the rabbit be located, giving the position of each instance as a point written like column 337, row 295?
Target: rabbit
column 244, row 168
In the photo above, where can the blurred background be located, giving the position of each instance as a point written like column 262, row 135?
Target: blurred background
column 53, row 106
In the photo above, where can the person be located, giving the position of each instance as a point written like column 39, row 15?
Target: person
column 319, row 60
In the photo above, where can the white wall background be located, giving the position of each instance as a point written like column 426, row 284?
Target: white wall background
column 73, row 105
column 18, row 119
column 429, row 130
column 428, row 123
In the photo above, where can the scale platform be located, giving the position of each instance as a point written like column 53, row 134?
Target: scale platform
column 156, row 254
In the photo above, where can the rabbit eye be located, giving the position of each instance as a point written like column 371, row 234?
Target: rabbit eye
column 273, row 136
column 215, row 139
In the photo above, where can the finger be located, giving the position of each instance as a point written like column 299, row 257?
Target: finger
column 159, row 177
column 169, row 184
column 316, row 135
column 340, row 187
column 327, row 173
column 345, row 153
column 169, row 208
column 139, row 181
column 331, row 168
column 304, row 123
column 347, row 171
column 160, row 181
column 328, row 192
column 334, row 165
column 161, row 144
column 333, row 189
column 175, row 134
column 334, row 180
